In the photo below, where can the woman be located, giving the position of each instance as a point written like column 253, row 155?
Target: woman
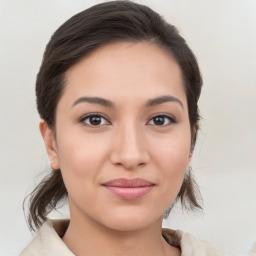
column 117, row 92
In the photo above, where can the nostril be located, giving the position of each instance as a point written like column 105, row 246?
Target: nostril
column 130, row 165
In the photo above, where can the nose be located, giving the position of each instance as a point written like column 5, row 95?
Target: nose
column 129, row 148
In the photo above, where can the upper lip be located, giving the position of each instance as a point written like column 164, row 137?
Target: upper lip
column 128, row 183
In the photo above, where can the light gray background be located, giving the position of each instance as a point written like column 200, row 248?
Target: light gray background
column 222, row 34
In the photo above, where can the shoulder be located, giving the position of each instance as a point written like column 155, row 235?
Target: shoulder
column 190, row 245
column 47, row 241
column 253, row 250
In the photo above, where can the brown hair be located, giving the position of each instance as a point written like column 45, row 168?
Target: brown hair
column 83, row 33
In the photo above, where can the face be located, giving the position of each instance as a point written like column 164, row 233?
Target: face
column 122, row 135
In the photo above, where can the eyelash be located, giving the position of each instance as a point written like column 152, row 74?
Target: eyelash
column 170, row 119
column 88, row 116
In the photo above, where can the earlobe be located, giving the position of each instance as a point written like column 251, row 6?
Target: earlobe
column 193, row 139
column 50, row 144
column 189, row 158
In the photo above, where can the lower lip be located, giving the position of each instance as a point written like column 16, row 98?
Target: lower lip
column 131, row 193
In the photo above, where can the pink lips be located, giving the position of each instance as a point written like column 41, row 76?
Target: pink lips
column 129, row 189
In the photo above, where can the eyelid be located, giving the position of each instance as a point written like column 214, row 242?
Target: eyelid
column 170, row 117
column 165, row 115
column 84, row 117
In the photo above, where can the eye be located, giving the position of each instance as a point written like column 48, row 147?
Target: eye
column 162, row 120
column 94, row 120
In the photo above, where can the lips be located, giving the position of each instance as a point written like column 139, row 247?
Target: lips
column 129, row 189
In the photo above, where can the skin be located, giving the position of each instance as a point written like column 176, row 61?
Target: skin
column 127, row 142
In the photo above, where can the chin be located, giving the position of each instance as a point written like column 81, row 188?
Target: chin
column 128, row 221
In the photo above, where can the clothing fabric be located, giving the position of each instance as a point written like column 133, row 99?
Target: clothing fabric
column 253, row 250
column 48, row 242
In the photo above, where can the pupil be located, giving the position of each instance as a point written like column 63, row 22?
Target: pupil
column 95, row 120
column 159, row 120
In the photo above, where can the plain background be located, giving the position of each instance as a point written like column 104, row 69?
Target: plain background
column 222, row 34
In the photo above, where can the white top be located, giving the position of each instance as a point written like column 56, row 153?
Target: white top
column 253, row 250
column 47, row 242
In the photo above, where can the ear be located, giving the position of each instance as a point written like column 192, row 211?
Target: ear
column 193, row 139
column 50, row 144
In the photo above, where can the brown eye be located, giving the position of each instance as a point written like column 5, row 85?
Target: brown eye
column 94, row 120
column 161, row 120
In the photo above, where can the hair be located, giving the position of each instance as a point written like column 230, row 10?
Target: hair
column 83, row 33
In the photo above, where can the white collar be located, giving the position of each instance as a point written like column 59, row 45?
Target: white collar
column 48, row 242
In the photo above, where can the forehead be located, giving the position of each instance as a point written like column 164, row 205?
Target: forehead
column 124, row 70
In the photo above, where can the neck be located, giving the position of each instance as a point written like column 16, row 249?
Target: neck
column 85, row 237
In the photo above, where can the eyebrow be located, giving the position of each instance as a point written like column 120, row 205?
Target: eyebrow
column 94, row 100
column 108, row 103
column 163, row 99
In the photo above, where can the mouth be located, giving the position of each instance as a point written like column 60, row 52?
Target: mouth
column 129, row 189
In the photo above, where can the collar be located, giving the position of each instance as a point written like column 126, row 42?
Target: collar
column 47, row 241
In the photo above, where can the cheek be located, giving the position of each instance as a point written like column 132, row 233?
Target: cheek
column 173, row 151
column 80, row 167
column 173, row 164
column 80, row 158
column 172, row 156
column 171, row 160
